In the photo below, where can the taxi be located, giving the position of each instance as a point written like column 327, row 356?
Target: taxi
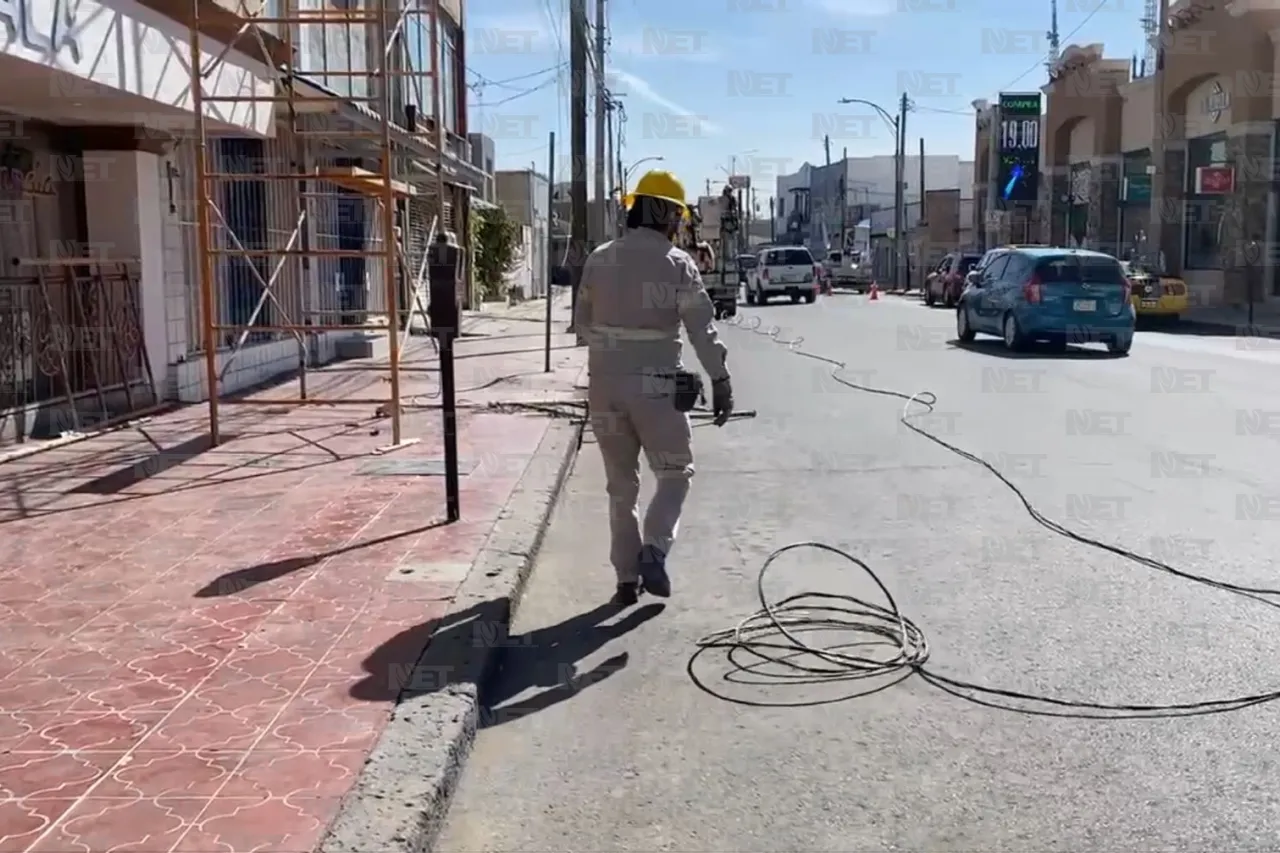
column 1155, row 296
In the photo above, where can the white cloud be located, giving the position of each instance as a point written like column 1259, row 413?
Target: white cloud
column 641, row 89
column 859, row 8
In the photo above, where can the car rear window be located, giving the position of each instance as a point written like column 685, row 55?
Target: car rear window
column 835, row 257
column 1072, row 269
column 968, row 262
column 790, row 258
column 747, row 262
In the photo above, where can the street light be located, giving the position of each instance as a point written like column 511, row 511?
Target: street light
column 899, row 190
column 626, row 175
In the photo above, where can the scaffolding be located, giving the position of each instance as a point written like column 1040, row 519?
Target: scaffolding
column 296, row 92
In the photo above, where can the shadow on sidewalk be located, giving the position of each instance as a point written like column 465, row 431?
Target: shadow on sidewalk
column 548, row 658
column 436, row 655
column 240, row 580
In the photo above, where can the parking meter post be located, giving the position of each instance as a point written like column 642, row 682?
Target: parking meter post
column 442, row 311
column 1251, row 258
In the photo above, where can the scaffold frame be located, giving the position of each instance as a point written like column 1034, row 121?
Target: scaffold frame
column 383, row 22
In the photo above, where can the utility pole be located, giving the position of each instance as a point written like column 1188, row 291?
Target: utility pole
column 844, row 203
column 826, row 197
column 708, row 186
column 773, row 221
column 578, row 144
column 1161, row 179
column 600, row 163
column 610, row 212
column 993, row 177
column 900, row 197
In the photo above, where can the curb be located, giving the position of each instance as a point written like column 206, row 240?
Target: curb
column 1218, row 327
column 400, row 800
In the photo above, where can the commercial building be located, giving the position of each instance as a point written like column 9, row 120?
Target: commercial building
column 808, row 202
column 104, row 110
column 1178, row 165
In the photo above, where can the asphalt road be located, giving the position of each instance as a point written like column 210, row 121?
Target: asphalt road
column 1148, row 451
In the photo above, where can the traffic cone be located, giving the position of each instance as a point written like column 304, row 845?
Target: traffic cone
column 875, row 292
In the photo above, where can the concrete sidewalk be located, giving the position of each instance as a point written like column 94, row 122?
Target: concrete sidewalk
column 203, row 647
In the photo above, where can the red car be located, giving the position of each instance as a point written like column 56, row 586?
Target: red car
column 946, row 282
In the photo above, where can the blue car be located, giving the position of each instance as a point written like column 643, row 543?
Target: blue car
column 1063, row 296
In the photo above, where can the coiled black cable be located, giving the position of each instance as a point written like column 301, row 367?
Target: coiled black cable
column 766, row 648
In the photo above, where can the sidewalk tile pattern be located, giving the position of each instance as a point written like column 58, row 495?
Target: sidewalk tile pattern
column 197, row 657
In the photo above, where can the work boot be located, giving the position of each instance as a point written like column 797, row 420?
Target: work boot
column 626, row 595
column 653, row 572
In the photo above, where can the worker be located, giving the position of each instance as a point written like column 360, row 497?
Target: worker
column 635, row 294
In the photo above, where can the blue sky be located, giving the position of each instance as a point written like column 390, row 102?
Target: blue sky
column 708, row 80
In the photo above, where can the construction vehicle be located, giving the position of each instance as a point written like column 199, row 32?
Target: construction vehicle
column 708, row 230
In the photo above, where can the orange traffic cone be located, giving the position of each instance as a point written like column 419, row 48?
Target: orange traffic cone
column 875, row 292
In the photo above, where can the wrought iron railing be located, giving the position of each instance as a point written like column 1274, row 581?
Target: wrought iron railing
column 73, row 333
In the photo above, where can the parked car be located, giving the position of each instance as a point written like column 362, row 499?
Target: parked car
column 783, row 271
column 1155, row 296
column 946, row 282
column 1059, row 295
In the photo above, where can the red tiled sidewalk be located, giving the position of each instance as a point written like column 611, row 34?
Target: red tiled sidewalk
column 201, row 660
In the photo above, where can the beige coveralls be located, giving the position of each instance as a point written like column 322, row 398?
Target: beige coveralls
column 635, row 294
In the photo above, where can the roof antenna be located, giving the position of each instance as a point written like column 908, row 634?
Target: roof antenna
column 1054, row 43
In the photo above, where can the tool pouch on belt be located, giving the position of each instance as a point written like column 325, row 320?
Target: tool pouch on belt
column 689, row 390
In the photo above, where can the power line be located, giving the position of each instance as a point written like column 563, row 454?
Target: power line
column 1087, row 18
column 483, row 81
column 518, row 95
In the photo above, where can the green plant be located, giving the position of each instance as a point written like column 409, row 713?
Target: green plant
column 495, row 242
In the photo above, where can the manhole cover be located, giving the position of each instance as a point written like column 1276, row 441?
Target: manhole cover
column 413, row 468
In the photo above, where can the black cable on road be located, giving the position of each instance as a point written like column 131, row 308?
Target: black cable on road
column 767, row 647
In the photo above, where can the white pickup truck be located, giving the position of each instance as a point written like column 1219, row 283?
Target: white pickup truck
column 847, row 269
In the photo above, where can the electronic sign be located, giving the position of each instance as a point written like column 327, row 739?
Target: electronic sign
column 1018, row 140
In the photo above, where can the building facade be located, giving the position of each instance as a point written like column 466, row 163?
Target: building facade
column 100, row 308
column 525, row 194
column 1177, row 166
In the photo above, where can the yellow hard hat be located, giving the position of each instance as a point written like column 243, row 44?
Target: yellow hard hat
column 659, row 184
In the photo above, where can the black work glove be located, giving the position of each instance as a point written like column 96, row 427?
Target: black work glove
column 721, row 401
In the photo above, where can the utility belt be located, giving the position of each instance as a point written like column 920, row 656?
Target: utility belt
column 689, row 390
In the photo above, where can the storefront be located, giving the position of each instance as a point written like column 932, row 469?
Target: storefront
column 1180, row 162
column 91, row 100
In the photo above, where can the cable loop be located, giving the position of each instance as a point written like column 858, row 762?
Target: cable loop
column 771, row 637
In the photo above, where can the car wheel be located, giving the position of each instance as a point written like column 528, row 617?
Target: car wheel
column 964, row 329
column 762, row 298
column 751, row 297
column 810, row 297
column 1120, row 347
column 795, row 299
column 1013, row 337
column 929, row 298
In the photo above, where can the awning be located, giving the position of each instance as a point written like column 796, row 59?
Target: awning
column 365, row 182
column 361, row 117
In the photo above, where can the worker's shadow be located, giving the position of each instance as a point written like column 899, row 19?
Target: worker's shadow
column 549, row 658
column 457, row 652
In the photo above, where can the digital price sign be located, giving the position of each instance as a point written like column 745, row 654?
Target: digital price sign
column 1018, row 139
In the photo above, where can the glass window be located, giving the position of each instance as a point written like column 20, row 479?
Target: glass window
column 791, row 258
column 994, row 269
column 1072, row 269
column 449, row 78
column 1203, row 213
column 418, row 47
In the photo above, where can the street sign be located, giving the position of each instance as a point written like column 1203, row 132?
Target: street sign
column 1136, row 188
column 1215, row 180
column 740, row 182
